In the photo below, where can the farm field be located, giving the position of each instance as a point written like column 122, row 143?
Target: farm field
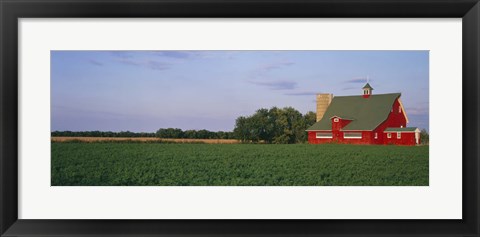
column 159, row 164
column 143, row 139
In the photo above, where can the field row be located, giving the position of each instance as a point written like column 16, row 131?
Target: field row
column 152, row 164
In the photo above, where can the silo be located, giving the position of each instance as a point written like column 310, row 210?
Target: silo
column 323, row 101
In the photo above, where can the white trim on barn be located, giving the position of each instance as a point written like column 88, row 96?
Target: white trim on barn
column 324, row 135
column 403, row 109
column 416, row 130
column 352, row 135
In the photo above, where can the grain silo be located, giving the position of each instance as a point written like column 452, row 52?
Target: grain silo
column 323, row 101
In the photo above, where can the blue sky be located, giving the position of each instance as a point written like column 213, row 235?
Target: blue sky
column 142, row 91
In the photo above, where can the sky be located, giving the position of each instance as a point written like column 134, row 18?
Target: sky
column 143, row 91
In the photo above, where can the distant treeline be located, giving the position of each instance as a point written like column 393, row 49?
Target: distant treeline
column 101, row 134
column 274, row 125
column 193, row 134
column 161, row 133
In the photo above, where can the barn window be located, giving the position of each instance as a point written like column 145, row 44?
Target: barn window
column 352, row 135
column 389, row 135
column 399, row 135
column 323, row 135
column 335, row 120
column 399, row 109
column 376, row 135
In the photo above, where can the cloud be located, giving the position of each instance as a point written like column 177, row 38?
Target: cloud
column 223, row 55
column 176, row 54
column 151, row 64
column 350, row 88
column 122, row 54
column 96, row 63
column 129, row 58
column 158, row 65
column 277, row 85
column 302, row 93
column 129, row 62
column 417, row 110
column 195, row 54
column 276, row 65
column 358, row 80
column 226, row 55
column 263, row 69
column 420, row 121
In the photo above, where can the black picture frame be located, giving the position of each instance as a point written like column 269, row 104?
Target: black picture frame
column 12, row 10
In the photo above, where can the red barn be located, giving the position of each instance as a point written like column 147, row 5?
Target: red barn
column 362, row 119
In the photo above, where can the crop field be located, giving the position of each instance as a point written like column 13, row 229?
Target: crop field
column 143, row 139
column 177, row 164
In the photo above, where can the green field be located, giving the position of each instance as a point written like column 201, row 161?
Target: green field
column 146, row 164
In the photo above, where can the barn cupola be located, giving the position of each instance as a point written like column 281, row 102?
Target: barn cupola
column 367, row 90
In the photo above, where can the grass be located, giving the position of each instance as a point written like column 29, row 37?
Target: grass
column 152, row 164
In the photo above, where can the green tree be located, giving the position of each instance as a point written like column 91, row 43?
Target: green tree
column 241, row 129
column 424, row 137
column 310, row 118
column 275, row 125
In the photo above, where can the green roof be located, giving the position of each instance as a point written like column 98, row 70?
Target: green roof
column 365, row 113
column 408, row 129
column 367, row 86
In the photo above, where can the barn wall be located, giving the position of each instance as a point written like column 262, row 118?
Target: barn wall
column 367, row 138
column 395, row 119
column 312, row 139
column 337, row 126
column 408, row 138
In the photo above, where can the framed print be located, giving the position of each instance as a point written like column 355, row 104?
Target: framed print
column 239, row 118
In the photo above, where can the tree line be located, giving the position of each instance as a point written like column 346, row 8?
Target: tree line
column 101, row 134
column 193, row 134
column 161, row 133
column 274, row 125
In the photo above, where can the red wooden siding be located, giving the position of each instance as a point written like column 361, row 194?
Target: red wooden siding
column 394, row 119
column 407, row 138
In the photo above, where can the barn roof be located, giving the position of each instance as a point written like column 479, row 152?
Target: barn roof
column 407, row 129
column 365, row 113
column 367, row 86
